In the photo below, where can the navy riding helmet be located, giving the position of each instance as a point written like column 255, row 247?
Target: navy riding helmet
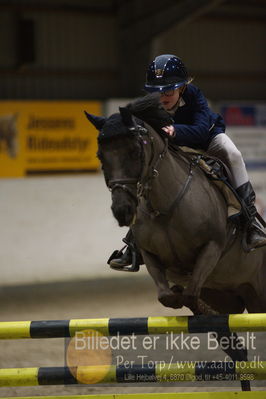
column 166, row 72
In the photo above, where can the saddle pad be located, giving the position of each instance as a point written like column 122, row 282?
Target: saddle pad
column 233, row 204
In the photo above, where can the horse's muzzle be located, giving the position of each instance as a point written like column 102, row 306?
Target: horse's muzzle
column 124, row 206
column 124, row 214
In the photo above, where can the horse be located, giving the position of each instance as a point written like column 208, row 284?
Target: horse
column 8, row 133
column 178, row 218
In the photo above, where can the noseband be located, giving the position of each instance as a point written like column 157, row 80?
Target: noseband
column 122, row 183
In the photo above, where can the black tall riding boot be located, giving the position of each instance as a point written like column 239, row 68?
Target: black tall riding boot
column 255, row 235
column 120, row 260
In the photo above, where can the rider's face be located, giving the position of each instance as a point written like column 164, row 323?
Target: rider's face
column 169, row 99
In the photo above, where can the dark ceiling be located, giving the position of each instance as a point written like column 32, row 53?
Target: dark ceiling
column 140, row 9
column 139, row 22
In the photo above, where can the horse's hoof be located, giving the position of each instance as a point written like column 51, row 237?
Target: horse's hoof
column 171, row 300
column 192, row 303
column 177, row 289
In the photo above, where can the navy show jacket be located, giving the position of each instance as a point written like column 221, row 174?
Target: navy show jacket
column 194, row 122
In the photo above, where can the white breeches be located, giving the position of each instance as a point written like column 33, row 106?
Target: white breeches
column 223, row 148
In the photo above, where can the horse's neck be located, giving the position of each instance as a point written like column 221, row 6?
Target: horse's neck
column 172, row 173
column 171, row 164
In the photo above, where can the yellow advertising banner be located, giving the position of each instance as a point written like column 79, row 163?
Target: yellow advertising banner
column 47, row 137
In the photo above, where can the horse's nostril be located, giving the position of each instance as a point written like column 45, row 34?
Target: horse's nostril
column 124, row 214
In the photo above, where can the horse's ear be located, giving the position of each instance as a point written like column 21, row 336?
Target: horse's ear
column 97, row 121
column 126, row 116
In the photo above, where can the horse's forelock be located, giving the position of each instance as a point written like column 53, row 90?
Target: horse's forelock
column 113, row 127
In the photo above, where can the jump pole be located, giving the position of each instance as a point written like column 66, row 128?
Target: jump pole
column 162, row 373
column 181, row 395
column 140, row 326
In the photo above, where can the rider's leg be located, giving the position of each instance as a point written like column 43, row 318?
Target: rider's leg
column 255, row 236
column 223, row 148
column 127, row 257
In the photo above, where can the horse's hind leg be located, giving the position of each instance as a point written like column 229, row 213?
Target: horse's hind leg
column 227, row 302
column 205, row 264
column 223, row 301
column 239, row 354
column 255, row 292
column 255, row 301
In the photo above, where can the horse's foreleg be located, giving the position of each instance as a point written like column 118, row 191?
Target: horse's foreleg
column 167, row 296
column 205, row 264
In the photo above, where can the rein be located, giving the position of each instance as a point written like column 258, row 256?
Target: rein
column 194, row 162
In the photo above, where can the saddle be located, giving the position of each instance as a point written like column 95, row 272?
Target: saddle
column 220, row 175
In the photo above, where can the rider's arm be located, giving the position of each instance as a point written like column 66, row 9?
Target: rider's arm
column 202, row 119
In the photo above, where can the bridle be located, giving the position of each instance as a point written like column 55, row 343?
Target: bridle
column 141, row 183
column 123, row 184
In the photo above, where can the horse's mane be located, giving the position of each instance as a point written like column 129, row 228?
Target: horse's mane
column 146, row 108
column 149, row 110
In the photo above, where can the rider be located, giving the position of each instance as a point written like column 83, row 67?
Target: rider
column 196, row 126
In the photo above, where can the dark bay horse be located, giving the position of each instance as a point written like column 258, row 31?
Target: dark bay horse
column 178, row 217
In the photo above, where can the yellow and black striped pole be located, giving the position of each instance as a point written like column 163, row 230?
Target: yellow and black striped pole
column 138, row 325
column 175, row 373
column 180, row 395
